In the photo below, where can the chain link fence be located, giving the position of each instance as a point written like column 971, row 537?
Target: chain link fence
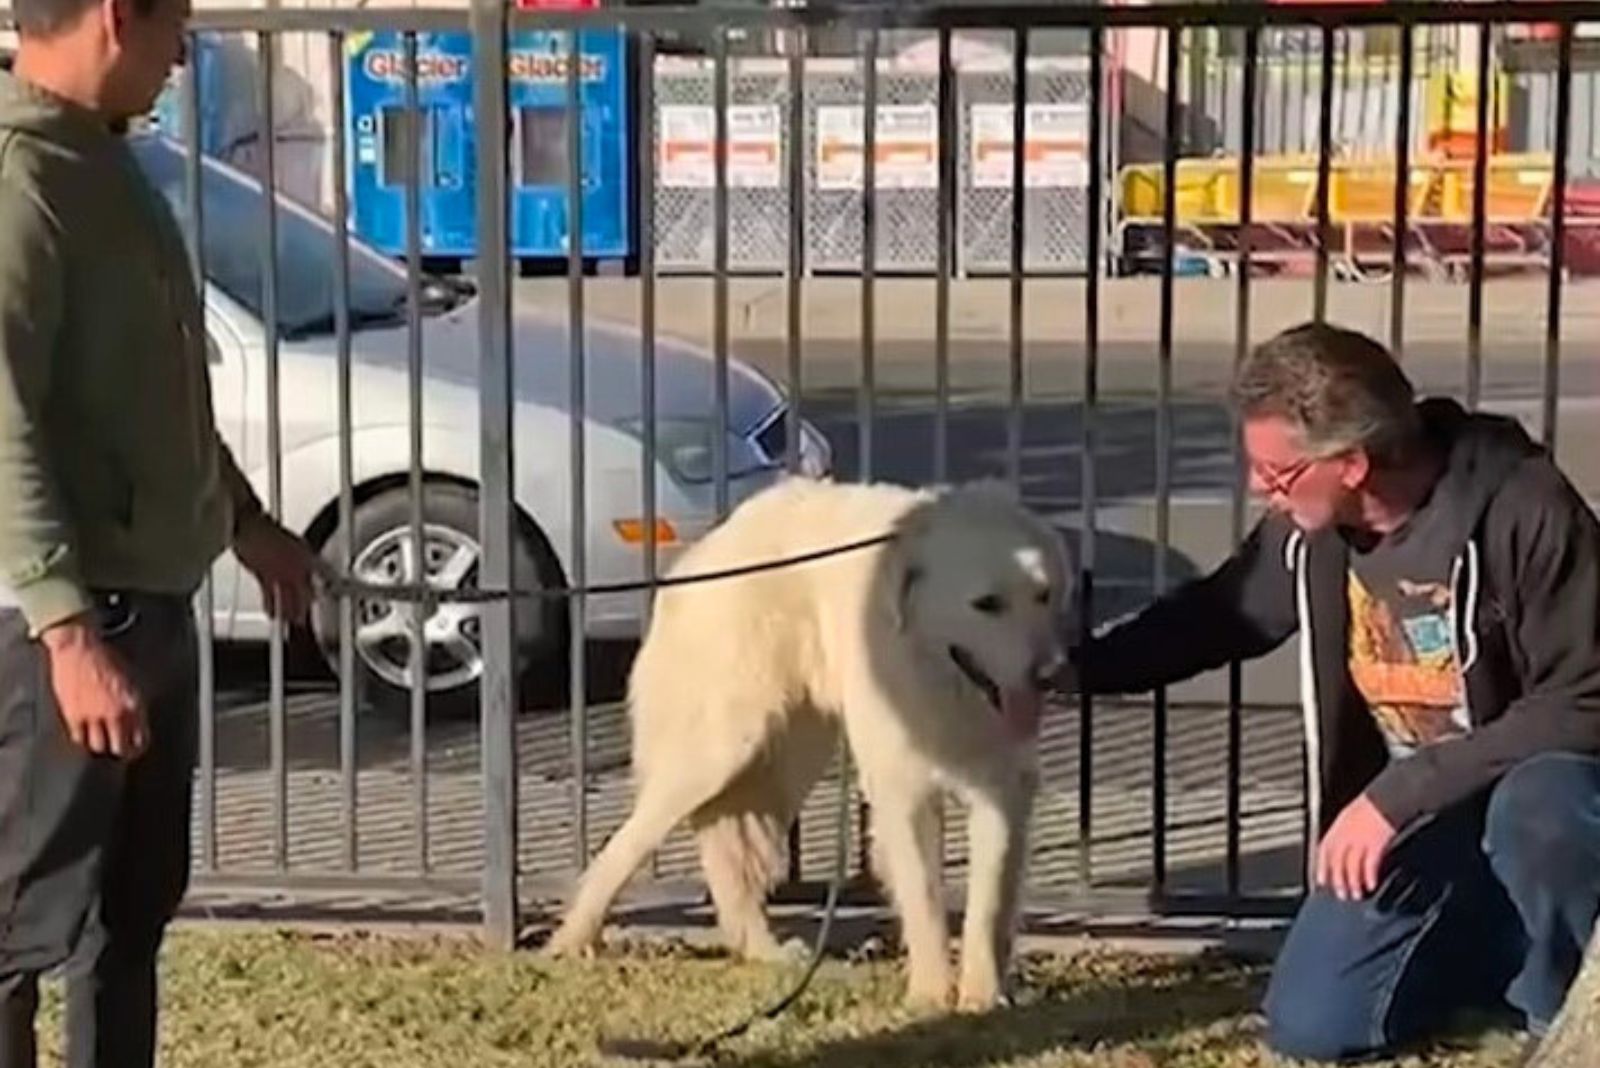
column 906, row 159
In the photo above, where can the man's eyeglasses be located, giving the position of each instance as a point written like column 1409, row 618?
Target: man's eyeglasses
column 1280, row 482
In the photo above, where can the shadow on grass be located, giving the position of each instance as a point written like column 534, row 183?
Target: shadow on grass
column 1200, row 1004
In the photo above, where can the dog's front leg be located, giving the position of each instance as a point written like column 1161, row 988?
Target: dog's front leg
column 906, row 825
column 997, row 831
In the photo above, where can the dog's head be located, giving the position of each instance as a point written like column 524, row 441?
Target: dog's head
column 985, row 584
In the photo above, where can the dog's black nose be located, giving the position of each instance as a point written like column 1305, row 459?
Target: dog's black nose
column 1047, row 673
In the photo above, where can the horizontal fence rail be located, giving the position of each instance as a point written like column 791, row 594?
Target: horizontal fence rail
column 428, row 426
column 915, row 15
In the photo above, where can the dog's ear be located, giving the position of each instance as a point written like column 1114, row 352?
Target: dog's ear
column 906, row 554
column 909, row 577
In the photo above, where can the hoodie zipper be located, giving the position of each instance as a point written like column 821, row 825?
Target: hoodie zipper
column 1296, row 557
column 1463, row 610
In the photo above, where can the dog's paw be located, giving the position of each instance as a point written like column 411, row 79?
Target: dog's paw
column 980, row 996
column 563, row 946
column 795, row 951
column 789, row 952
column 927, row 997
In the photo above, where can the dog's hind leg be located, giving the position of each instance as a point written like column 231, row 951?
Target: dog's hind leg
column 741, row 832
column 667, row 796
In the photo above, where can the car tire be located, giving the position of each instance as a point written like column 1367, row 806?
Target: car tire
column 383, row 629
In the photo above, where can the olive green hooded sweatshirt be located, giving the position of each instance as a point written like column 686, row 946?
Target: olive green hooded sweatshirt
column 112, row 475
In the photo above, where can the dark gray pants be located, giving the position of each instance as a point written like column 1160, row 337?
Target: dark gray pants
column 94, row 851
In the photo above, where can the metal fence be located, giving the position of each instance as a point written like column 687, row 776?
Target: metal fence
column 504, row 809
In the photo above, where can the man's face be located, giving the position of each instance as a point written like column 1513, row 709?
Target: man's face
column 148, row 46
column 1312, row 491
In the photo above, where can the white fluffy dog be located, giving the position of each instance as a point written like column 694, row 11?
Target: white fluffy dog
column 931, row 651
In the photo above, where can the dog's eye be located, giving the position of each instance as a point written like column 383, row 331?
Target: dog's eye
column 1042, row 597
column 989, row 605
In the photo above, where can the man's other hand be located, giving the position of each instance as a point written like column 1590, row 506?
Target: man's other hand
column 1353, row 849
column 102, row 710
column 282, row 563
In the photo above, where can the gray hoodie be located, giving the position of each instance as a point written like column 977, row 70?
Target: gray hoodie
column 112, row 474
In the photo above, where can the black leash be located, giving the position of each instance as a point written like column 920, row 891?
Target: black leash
column 421, row 593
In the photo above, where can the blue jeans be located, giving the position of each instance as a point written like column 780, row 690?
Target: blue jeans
column 1491, row 901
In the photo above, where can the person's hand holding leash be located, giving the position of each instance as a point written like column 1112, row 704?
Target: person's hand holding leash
column 281, row 562
column 1353, row 849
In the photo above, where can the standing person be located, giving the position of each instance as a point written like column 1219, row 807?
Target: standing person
column 116, row 497
column 1444, row 578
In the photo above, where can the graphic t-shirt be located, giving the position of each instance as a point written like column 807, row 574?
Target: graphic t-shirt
column 1403, row 655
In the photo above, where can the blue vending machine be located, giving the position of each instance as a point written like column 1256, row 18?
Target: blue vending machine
column 380, row 148
column 539, row 166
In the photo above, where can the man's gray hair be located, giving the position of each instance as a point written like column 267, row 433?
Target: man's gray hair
column 1339, row 388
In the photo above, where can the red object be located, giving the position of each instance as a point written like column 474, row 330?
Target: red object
column 1534, row 31
column 556, row 5
column 1583, row 199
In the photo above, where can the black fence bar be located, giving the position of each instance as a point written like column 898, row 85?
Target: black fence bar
column 1558, row 235
column 418, row 534
column 1018, row 247
column 719, row 264
column 1163, row 443
column 1402, row 196
column 794, row 308
column 1480, row 211
column 578, row 406
column 648, row 356
column 497, row 457
column 1089, row 492
column 277, row 726
column 794, row 279
column 207, row 607
column 1247, row 182
column 1319, row 309
column 348, row 677
column 867, row 398
column 944, row 262
column 867, row 395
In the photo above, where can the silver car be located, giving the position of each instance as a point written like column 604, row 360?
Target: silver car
column 233, row 207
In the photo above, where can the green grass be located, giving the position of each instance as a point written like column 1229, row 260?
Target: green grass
column 257, row 997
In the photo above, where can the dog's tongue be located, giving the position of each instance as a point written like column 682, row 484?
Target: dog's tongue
column 1021, row 709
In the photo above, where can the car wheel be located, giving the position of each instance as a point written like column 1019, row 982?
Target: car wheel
column 383, row 553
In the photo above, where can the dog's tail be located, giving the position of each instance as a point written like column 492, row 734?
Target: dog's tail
column 741, row 850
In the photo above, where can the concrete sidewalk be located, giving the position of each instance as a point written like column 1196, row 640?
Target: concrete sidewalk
column 1054, row 308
